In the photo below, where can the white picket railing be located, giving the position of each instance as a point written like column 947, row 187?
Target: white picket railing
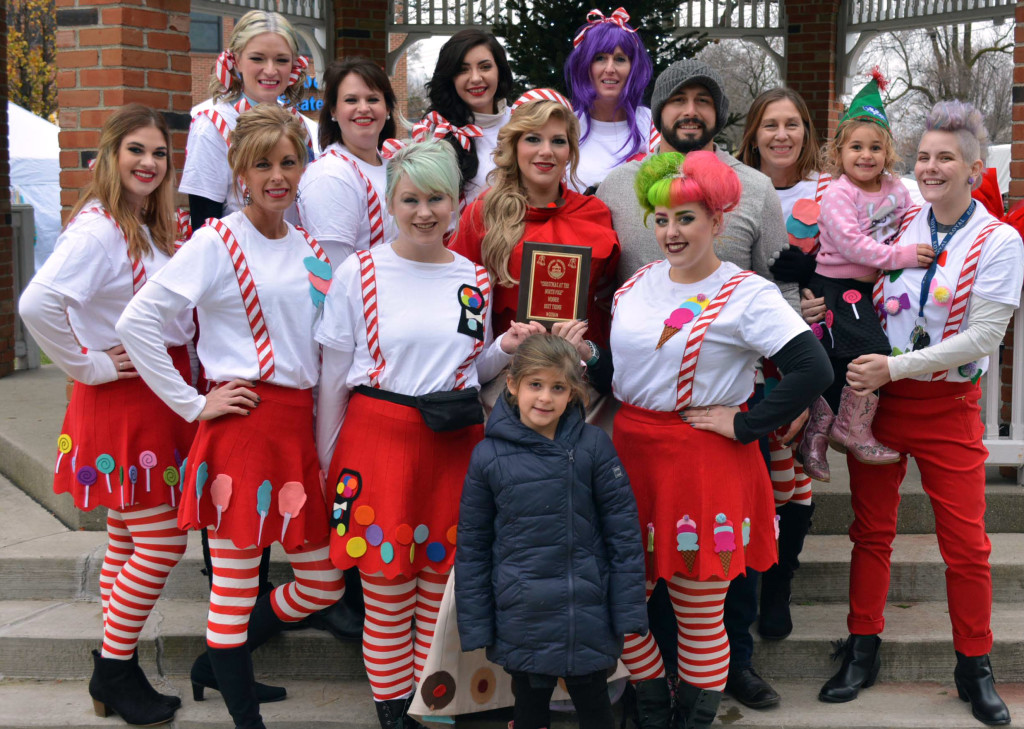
column 1006, row 450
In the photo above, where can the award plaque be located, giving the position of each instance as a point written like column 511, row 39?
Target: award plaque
column 553, row 283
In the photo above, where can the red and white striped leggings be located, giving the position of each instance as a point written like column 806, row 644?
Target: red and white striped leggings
column 789, row 482
column 393, row 664
column 702, row 642
column 143, row 545
column 236, row 575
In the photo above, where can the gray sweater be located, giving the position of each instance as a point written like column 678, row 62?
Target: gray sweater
column 753, row 231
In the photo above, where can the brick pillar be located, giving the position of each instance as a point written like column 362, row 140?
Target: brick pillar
column 7, row 300
column 811, row 58
column 112, row 54
column 360, row 28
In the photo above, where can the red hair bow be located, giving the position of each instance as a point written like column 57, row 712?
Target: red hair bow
column 435, row 125
column 595, row 17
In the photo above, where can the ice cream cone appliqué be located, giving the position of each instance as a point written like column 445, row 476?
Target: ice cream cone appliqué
column 680, row 317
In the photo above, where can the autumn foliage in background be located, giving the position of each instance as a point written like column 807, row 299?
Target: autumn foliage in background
column 32, row 55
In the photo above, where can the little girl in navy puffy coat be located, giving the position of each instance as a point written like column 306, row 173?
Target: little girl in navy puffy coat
column 549, row 570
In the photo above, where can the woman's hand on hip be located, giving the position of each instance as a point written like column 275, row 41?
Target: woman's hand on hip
column 122, row 363
column 812, row 308
column 231, row 398
column 867, row 373
column 716, row 418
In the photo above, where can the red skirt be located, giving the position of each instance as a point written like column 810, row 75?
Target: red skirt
column 397, row 486
column 120, row 445
column 705, row 501
column 256, row 478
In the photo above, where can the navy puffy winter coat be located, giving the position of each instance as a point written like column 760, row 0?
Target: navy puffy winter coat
column 549, row 569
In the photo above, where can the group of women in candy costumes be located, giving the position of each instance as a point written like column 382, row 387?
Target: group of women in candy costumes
column 279, row 314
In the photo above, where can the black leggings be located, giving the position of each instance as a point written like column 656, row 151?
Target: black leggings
column 589, row 695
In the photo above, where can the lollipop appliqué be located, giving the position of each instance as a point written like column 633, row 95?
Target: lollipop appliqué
column 851, row 297
column 147, row 459
column 63, row 448
column 87, row 476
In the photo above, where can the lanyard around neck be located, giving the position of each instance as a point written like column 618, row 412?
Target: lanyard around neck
column 938, row 248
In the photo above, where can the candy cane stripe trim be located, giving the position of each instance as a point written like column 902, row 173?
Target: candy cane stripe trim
column 373, row 206
column 250, row 299
column 368, row 277
column 878, row 292
column 688, row 366
column 483, row 282
column 630, row 282
column 138, row 268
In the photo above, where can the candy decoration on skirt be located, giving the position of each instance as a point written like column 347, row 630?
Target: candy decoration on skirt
column 851, row 297
column 105, row 465
column 202, row 473
column 263, row 505
column 171, row 478
column 133, row 476
column 147, row 459
column 87, row 476
column 290, row 501
column 220, row 493
column 725, row 541
column 63, row 448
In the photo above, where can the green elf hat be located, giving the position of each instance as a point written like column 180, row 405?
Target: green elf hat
column 867, row 104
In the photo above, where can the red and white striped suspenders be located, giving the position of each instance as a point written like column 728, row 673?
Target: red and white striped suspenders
column 368, row 284
column 250, row 297
column 629, row 284
column 374, row 211
column 138, row 269
column 688, row 366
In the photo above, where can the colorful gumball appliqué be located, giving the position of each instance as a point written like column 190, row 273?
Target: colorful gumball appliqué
column 63, row 448
column 452, row 534
column 940, row 294
column 105, row 465
column 87, row 476
column 403, row 534
column 851, row 297
column 365, row 515
column 263, row 494
column 374, row 535
column 220, row 495
column 469, row 298
column 387, row 552
column 356, row 547
column 436, row 552
column 147, row 459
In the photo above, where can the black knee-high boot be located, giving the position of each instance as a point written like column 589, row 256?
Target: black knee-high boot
column 233, row 669
column 776, row 584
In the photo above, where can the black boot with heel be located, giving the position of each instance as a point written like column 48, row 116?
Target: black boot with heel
column 776, row 622
column 233, row 669
column 861, row 664
column 115, row 688
column 976, row 684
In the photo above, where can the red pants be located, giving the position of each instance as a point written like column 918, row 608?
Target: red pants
column 939, row 424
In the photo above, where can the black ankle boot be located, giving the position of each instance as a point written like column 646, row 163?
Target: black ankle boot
column 339, row 620
column 775, row 622
column 976, row 684
column 170, row 700
column 653, row 703
column 233, row 669
column 263, row 625
column 859, row 670
column 695, row 708
column 115, row 689
column 203, row 678
column 392, row 714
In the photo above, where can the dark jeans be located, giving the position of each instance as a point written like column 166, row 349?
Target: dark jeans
column 589, row 695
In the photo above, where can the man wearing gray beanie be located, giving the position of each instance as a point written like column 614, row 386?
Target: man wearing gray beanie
column 689, row 107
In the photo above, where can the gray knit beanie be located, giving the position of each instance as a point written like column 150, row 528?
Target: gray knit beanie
column 685, row 72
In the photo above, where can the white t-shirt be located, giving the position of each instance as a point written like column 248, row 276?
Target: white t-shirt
column 755, row 322
column 602, row 150
column 332, row 203
column 91, row 269
column 803, row 190
column 203, row 273
column 998, row 278
column 491, row 124
column 418, row 316
column 207, row 172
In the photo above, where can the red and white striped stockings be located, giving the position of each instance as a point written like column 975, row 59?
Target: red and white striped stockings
column 318, row 584
column 789, row 482
column 394, row 658
column 143, row 547
column 702, row 642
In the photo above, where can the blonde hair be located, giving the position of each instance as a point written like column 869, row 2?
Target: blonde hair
column 258, row 131
column 250, row 25
column 832, row 154
column 106, row 186
column 504, row 213
column 547, row 351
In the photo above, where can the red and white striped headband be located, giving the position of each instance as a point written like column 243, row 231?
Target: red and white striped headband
column 390, row 148
column 595, row 17
column 433, row 125
column 226, row 63
column 541, row 95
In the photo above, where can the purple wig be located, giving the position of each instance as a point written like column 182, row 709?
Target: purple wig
column 604, row 38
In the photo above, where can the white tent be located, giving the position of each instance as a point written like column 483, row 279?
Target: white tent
column 35, row 173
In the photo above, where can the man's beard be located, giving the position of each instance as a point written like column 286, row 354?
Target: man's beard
column 687, row 144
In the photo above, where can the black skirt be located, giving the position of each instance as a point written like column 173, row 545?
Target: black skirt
column 851, row 334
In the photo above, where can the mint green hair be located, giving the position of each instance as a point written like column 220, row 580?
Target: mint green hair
column 431, row 166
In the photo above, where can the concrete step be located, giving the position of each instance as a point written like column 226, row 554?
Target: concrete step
column 347, row 705
column 60, row 564
column 833, row 515
column 53, row 639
